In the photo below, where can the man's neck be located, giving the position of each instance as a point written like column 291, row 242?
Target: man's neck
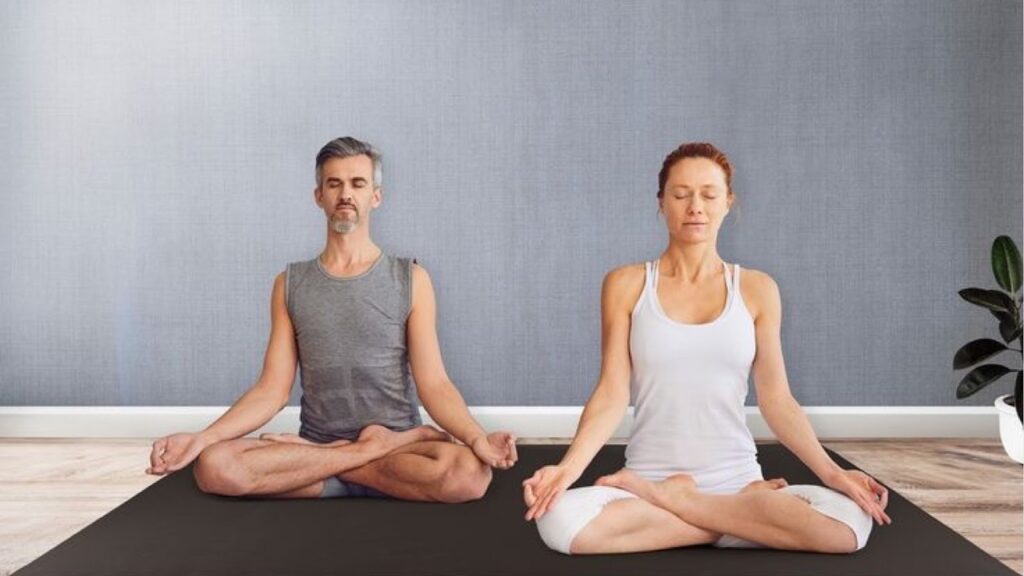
column 348, row 254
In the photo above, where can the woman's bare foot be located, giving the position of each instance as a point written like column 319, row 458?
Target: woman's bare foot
column 288, row 438
column 673, row 489
column 630, row 482
column 387, row 440
column 773, row 484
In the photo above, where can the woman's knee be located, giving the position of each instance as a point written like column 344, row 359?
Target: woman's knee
column 217, row 471
column 574, row 510
column 556, row 527
column 852, row 533
column 841, row 525
column 837, row 539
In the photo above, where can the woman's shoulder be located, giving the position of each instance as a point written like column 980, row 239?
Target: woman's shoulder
column 625, row 283
column 759, row 290
column 627, row 273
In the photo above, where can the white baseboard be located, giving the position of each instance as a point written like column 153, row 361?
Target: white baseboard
column 524, row 421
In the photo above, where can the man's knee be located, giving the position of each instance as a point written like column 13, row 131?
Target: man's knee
column 217, row 471
column 466, row 478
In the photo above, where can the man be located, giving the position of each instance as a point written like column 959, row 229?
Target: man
column 356, row 320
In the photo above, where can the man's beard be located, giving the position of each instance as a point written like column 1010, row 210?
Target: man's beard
column 344, row 225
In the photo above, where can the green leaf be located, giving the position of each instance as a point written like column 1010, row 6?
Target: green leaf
column 991, row 299
column 974, row 352
column 1006, row 264
column 979, row 378
column 1009, row 334
column 1009, row 325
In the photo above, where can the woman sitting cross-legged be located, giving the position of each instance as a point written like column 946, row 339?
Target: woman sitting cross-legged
column 680, row 335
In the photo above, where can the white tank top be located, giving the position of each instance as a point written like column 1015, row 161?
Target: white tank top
column 688, row 387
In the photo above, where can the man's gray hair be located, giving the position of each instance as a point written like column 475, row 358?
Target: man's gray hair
column 346, row 147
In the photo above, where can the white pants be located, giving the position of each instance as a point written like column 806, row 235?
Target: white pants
column 577, row 507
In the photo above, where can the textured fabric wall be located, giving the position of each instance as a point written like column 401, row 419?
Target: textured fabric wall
column 156, row 173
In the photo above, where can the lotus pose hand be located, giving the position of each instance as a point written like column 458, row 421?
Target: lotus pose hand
column 542, row 490
column 174, row 452
column 864, row 490
column 497, row 449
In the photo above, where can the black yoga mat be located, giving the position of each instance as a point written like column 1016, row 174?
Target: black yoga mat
column 172, row 528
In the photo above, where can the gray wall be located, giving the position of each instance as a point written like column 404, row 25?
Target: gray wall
column 156, row 173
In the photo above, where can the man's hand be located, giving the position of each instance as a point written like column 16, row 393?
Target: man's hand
column 174, row 452
column 864, row 490
column 497, row 449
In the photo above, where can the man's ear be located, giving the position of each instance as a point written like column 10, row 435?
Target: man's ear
column 318, row 196
column 378, row 196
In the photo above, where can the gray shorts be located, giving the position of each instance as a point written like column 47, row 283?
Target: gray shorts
column 335, row 488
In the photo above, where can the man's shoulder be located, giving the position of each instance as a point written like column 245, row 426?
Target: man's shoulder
column 299, row 266
column 402, row 268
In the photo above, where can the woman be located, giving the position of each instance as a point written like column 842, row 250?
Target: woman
column 681, row 336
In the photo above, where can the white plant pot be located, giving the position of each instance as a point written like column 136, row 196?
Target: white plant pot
column 1010, row 429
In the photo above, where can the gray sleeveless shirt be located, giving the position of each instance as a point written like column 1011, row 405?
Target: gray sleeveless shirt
column 353, row 358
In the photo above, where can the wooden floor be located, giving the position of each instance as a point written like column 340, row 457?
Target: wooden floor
column 50, row 489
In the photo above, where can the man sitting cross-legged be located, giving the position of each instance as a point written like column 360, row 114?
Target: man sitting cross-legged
column 356, row 320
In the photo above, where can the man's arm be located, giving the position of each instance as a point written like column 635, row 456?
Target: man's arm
column 271, row 392
column 440, row 398
column 254, row 409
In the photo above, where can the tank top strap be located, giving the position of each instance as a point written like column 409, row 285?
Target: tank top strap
column 736, row 277
column 645, row 294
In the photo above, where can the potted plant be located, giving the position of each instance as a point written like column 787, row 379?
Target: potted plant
column 1005, row 305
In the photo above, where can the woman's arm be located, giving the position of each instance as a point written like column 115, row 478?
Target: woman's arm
column 607, row 404
column 780, row 410
column 784, row 415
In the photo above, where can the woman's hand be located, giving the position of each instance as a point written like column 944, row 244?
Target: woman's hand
column 864, row 490
column 542, row 490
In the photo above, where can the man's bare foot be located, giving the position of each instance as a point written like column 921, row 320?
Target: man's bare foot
column 773, row 484
column 387, row 440
column 630, row 482
column 288, row 438
column 285, row 438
